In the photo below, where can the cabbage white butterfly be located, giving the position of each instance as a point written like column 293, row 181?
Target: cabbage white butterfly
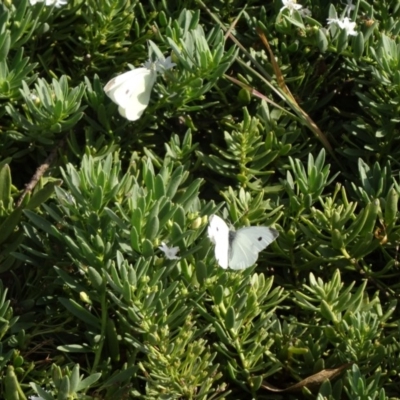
column 238, row 250
column 131, row 91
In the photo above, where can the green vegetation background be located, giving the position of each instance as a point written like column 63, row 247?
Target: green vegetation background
column 90, row 308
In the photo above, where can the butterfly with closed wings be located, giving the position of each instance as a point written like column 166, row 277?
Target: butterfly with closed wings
column 131, row 90
column 238, row 249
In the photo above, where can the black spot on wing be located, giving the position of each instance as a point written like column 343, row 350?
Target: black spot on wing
column 259, row 239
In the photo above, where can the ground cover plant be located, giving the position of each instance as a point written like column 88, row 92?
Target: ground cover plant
column 277, row 114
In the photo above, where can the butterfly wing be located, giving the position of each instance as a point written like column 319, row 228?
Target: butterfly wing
column 117, row 89
column 131, row 91
column 247, row 243
column 218, row 232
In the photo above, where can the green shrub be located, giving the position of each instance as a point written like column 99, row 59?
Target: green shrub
column 270, row 116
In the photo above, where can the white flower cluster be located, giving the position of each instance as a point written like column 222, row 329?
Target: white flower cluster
column 169, row 252
column 292, row 5
column 345, row 23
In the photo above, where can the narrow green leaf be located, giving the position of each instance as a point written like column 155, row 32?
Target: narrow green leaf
column 41, row 392
column 43, row 224
column 363, row 246
column 88, row 382
column 147, row 248
column 222, row 333
column 97, row 198
column 5, row 185
column 357, row 226
column 136, row 220
column 218, row 295
column 358, row 45
column 112, row 340
column 327, row 312
column 190, row 194
column 43, row 194
column 9, row 224
column 174, row 182
column 391, row 210
column 201, row 272
column 337, row 240
column 135, row 241
column 118, row 377
column 75, row 348
column 230, row 318
column 5, row 45
column 80, row 312
column 75, row 378
column 159, row 187
column 69, row 280
column 342, row 41
column 95, row 278
column 322, row 41
column 64, row 388
column 152, row 228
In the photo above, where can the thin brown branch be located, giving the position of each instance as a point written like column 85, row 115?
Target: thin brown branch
column 41, row 170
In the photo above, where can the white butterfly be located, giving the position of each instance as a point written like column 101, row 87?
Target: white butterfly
column 238, row 250
column 131, row 91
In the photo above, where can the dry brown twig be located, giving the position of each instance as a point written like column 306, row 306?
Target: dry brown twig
column 41, row 170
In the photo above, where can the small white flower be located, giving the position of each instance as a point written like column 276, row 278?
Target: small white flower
column 333, row 21
column 349, row 7
column 291, row 5
column 169, row 252
column 161, row 65
column 345, row 23
column 305, row 12
column 348, row 25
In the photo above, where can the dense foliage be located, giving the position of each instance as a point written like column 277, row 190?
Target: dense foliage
column 271, row 116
